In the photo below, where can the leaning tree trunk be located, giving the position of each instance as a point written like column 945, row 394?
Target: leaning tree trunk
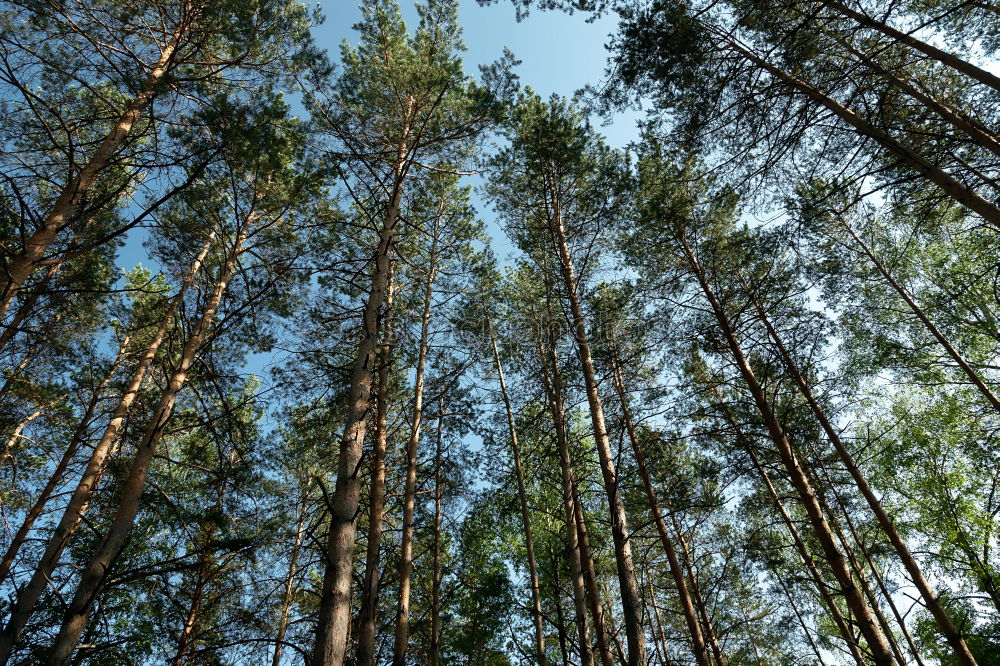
column 554, row 398
column 96, row 571
column 87, row 484
column 687, row 607
column 952, row 187
column 61, row 214
column 289, row 591
column 943, row 57
column 79, row 433
column 915, row 308
column 631, row 596
column 877, row 644
column 931, row 600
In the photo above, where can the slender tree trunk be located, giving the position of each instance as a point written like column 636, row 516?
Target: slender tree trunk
column 945, row 58
column 11, row 329
column 664, row 651
column 96, row 570
column 409, row 494
column 862, row 579
column 630, row 594
column 57, row 474
column 15, row 435
column 601, row 629
column 553, row 391
column 190, row 622
column 87, row 484
column 687, row 608
column 955, row 189
column 801, row 621
column 881, row 653
column 335, row 601
column 557, row 598
column 911, row 303
column 699, row 601
column 376, row 510
column 831, row 604
column 436, row 564
column 61, row 214
column 973, row 129
column 931, row 600
column 529, row 544
column 289, row 593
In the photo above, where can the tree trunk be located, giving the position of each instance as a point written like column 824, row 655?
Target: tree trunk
column 697, row 640
column 931, row 600
column 96, row 570
column 376, row 509
column 23, row 264
column 699, row 601
column 911, row 303
column 409, row 493
column 335, row 602
column 87, row 484
column 529, row 543
column 801, row 621
column 877, row 644
column 553, row 391
column 630, row 594
column 601, row 629
column 57, row 474
column 945, row 58
column 800, row 547
column 286, row 597
column 436, row 564
column 955, row 189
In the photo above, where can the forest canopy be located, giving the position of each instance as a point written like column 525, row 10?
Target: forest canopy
column 374, row 356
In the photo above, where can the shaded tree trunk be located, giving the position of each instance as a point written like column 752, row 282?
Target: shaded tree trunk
column 87, row 484
column 877, row 644
column 376, row 509
column 529, row 543
column 96, row 571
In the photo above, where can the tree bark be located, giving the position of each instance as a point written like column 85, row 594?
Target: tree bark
column 955, row 189
column 87, row 484
column 436, row 564
column 24, row 263
column 97, row 568
column 911, row 303
column 376, row 509
column 945, row 58
column 877, row 644
column 931, row 600
column 529, row 543
column 553, row 391
column 286, row 597
column 335, row 601
column 631, row 597
column 57, row 474
column 409, row 494
column 684, row 596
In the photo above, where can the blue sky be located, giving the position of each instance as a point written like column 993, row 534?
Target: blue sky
column 560, row 53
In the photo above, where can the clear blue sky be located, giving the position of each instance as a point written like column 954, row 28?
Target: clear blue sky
column 560, row 53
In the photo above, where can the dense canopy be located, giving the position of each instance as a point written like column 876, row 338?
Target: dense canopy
column 418, row 368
